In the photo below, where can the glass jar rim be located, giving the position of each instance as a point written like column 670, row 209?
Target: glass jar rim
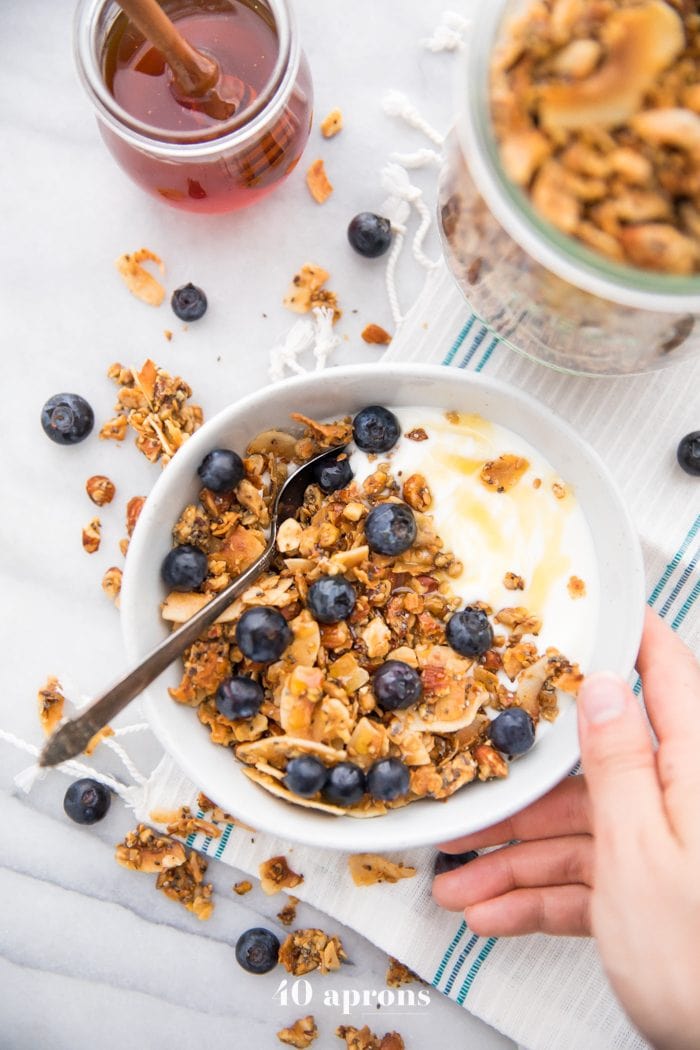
column 558, row 252
column 242, row 127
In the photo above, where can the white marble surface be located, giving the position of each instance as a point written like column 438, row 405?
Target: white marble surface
column 90, row 954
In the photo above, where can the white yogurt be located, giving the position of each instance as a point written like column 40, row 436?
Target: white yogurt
column 527, row 530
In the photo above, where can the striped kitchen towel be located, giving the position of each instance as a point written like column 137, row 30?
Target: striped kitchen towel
column 546, row 993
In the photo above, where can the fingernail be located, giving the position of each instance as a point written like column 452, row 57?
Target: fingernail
column 602, row 697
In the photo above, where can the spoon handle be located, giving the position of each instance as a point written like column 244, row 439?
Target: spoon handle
column 194, row 72
column 72, row 738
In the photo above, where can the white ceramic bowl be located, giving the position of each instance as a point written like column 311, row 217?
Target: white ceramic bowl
column 335, row 393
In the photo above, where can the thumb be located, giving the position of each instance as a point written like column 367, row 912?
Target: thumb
column 617, row 756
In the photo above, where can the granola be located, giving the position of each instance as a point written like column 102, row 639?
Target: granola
column 243, row 887
column 301, row 1034
column 307, row 291
column 156, row 406
column 305, row 950
column 51, row 703
column 180, row 873
column 367, row 869
column 596, row 110
column 365, row 1039
column 287, row 915
column 275, row 875
column 318, row 698
column 397, row 974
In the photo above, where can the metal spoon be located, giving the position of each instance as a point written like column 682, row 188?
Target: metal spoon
column 72, row 738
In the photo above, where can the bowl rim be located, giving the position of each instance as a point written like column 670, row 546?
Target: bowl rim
column 353, row 838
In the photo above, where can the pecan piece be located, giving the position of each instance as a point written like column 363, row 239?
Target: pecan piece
column 100, row 489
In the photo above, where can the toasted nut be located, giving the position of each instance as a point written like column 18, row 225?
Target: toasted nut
column 513, row 582
column 417, row 434
column 115, row 429
column 133, row 510
column 577, row 59
column 289, row 535
column 91, row 536
column 397, row 975
column 332, row 124
column 100, row 489
column 416, row 492
column 243, row 887
column 491, row 764
column 112, row 583
column 301, row 1034
column 319, row 185
column 374, row 333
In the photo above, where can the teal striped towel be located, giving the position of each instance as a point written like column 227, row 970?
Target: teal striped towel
column 546, row 993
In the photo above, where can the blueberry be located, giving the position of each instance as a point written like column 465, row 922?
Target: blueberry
column 87, row 801
column 67, row 419
column 262, row 634
column 450, row 861
column 390, row 528
column 331, row 599
column 221, row 470
column 369, row 234
column 239, row 697
column 388, row 779
column 306, row 775
column 512, row 731
column 375, row 429
column 257, row 950
column 189, row 303
column 469, row 632
column 689, row 453
column 184, row 567
column 396, row 685
column 345, row 784
column 333, row 474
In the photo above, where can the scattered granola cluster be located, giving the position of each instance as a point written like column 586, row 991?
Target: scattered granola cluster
column 301, row 1034
column 276, row 875
column 156, row 406
column 596, row 107
column 180, row 872
column 318, row 698
column 306, row 291
column 367, row 869
column 365, row 1039
column 306, row 950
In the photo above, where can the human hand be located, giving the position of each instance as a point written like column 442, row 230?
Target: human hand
column 615, row 853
